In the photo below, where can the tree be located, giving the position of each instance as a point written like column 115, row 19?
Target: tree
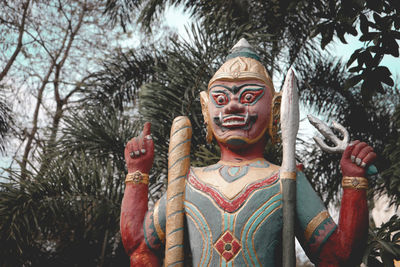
column 54, row 40
column 378, row 22
column 379, row 26
column 12, row 23
column 51, row 210
column 15, row 24
column 69, row 215
column 72, row 206
column 6, row 121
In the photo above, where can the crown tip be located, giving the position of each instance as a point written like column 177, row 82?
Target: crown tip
column 243, row 49
column 242, row 44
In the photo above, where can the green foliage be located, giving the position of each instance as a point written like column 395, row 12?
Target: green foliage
column 121, row 76
column 6, row 121
column 383, row 242
column 68, row 214
column 389, row 182
column 63, row 218
column 120, row 11
column 99, row 132
column 379, row 22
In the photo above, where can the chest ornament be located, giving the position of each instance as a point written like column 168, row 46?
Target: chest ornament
column 227, row 246
column 231, row 205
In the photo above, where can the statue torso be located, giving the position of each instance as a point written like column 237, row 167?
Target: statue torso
column 234, row 214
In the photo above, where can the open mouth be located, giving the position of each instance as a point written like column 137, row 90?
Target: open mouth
column 234, row 121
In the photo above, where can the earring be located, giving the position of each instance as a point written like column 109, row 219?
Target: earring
column 204, row 109
column 274, row 123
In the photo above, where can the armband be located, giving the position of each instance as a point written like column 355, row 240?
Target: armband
column 137, row 178
column 354, row 182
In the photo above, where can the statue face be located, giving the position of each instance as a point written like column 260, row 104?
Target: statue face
column 239, row 111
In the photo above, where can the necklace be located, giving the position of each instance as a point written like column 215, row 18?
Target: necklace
column 230, row 172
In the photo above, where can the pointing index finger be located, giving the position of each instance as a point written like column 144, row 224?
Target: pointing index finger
column 146, row 129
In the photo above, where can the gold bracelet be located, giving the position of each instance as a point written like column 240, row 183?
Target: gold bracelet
column 354, row 182
column 137, row 178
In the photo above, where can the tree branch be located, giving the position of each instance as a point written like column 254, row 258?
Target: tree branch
column 19, row 44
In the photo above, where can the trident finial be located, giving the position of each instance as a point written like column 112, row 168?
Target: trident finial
column 340, row 145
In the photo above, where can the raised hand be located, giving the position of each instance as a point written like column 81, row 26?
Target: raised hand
column 356, row 158
column 139, row 151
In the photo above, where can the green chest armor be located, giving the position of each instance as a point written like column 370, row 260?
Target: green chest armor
column 234, row 215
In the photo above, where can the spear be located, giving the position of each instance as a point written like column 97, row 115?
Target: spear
column 289, row 127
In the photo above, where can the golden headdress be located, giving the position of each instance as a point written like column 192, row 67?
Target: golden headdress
column 242, row 64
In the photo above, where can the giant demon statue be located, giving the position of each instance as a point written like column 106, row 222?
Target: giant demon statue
column 232, row 210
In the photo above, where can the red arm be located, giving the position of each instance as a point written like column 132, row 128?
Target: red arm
column 139, row 154
column 350, row 236
column 345, row 245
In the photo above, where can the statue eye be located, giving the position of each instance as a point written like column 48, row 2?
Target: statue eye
column 250, row 96
column 220, row 98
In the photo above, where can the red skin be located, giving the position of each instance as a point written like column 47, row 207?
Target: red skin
column 339, row 250
column 239, row 155
column 134, row 204
column 236, row 104
column 345, row 244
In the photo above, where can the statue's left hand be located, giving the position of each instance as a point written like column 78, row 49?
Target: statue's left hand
column 356, row 159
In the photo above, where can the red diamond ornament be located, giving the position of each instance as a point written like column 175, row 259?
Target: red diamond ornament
column 227, row 246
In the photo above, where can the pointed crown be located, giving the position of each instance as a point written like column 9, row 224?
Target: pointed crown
column 241, row 64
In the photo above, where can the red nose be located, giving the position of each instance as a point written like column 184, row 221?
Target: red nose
column 234, row 108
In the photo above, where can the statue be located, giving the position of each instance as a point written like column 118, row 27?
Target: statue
column 232, row 210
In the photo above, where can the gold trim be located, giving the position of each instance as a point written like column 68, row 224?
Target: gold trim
column 242, row 68
column 137, row 178
column 159, row 231
column 275, row 116
column 260, row 224
column 260, row 208
column 354, row 182
column 204, row 100
column 201, row 233
column 314, row 223
column 230, row 190
column 288, row 175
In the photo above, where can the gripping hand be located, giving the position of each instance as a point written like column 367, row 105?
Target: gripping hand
column 356, row 158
